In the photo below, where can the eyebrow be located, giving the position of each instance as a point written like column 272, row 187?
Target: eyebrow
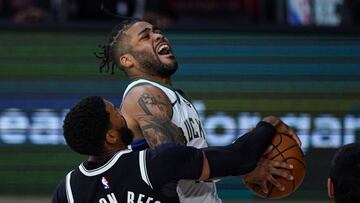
column 155, row 27
column 144, row 30
column 148, row 29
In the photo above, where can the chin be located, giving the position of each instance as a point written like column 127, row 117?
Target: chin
column 170, row 61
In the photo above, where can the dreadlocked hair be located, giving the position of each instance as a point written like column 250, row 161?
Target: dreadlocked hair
column 86, row 125
column 109, row 51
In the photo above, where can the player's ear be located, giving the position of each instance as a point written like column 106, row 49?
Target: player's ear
column 127, row 60
column 111, row 137
column 330, row 188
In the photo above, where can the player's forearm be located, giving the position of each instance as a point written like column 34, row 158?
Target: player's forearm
column 242, row 156
column 160, row 131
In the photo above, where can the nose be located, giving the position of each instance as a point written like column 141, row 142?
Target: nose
column 158, row 36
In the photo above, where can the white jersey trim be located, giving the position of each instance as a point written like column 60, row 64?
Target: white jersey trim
column 69, row 194
column 170, row 93
column 143, row 168
column 104, row 167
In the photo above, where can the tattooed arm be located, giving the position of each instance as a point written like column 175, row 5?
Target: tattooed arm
column 148, row 112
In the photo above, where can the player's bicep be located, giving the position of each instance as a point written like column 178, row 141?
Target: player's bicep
column 154, row 102
column 152, row 110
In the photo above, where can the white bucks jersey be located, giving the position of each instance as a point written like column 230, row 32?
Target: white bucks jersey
column 186, row 117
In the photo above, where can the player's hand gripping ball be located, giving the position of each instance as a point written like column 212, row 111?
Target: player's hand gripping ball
column 285, row 149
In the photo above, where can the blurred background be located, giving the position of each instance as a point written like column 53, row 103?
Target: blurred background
column 239, row 60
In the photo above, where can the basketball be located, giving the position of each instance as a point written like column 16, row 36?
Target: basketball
column 284, row 149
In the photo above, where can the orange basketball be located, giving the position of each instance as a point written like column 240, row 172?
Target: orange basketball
column 284, row 149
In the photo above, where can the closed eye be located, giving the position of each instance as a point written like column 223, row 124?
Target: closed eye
column 145, row 36
column 158, row 31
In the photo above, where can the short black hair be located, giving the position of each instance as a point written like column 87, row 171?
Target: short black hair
column 85, row 126
column 345, row 174
column 115, row 45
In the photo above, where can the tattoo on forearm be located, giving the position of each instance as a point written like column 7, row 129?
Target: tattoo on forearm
column 156, row 121
column 158, row 131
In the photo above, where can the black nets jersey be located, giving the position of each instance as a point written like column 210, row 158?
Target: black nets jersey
column 148, row 176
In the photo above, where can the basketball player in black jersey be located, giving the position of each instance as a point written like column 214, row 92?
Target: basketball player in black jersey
column 344, row 182
column 113, row 173
column 142, row 51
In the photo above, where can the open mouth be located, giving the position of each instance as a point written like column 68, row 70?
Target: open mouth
column 164, row 49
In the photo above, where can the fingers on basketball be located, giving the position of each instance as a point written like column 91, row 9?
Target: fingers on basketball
column 286, row 149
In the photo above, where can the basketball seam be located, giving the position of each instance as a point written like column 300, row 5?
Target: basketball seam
column 281, row 152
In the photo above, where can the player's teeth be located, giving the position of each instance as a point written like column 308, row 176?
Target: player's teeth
column 163, row 47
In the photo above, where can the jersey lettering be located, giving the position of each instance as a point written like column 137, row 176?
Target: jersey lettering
column 110, row 199
column 194, row 129
column 141, row 198
column 130, row 197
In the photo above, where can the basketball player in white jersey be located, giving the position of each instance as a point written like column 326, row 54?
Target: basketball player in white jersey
column 153, row 109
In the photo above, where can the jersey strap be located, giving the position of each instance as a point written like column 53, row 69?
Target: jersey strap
column 69, row 194
column 143, row 168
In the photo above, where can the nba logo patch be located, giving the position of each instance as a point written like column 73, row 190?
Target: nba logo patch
column 105, row 182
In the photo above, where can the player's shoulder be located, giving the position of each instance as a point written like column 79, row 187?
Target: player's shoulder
column 59, row 195
column 145, row 93
column 141, row 86
column 169, row 150
column 142, row 89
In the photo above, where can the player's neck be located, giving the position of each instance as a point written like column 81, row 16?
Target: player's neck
column 104, row 156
